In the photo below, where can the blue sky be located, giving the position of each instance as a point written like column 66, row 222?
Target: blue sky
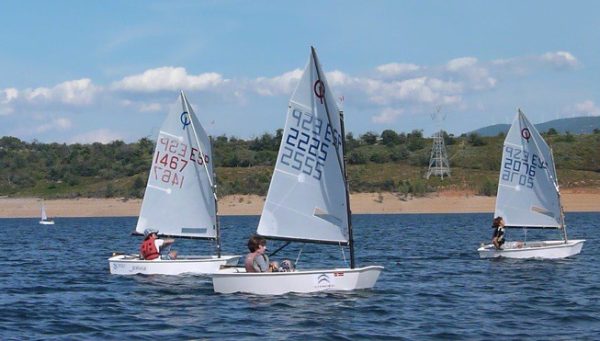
column 87, row 71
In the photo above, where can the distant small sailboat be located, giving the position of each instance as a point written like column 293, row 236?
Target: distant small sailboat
column 180, row 199
column 308, row 198
column 44, row 219
column 528, row 195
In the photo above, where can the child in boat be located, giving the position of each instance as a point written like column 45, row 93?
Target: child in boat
column 152, row 247
column 498, row 236
column 257, row 260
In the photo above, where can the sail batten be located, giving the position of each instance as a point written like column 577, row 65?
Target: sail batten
column 308, row 172
column 179, row 199
column 527, row 188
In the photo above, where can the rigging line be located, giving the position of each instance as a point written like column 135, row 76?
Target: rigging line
column 337, row 151
column 298, row 257
column 188, row 107
column 213, row 187
column 343, row 254
column 279, row 249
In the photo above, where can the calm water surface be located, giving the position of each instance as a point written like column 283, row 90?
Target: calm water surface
column 55, row 284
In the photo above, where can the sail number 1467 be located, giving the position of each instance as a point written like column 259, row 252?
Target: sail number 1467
column 172, row 158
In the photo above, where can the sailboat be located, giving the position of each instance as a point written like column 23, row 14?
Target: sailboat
column 529, row 197
column 308, row 198
column 180, row 199
column 44, row 218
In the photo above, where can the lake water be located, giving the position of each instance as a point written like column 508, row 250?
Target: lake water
column 55, row 284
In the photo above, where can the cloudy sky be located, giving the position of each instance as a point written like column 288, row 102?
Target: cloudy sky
column 86, row 71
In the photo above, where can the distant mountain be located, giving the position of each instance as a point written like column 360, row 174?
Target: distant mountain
column 575, row 125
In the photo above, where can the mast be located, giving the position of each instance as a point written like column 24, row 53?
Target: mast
column 562, row 211
column 214, row 188
column 340, row 159
column 213, row 185
column 349, row 212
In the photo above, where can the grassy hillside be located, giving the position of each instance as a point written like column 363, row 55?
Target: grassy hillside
column 376, row 162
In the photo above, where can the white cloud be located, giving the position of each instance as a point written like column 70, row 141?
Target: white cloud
column 75, row 92
column 99, row 135
column 587, row 108
column 459, row 64
column 168, row 78
column 560, row 59
column 8, row 95
column 338, row 78
column 55, row 124
column 279, row 85
column 421, row 90
column 145, row 107
column 473, row 73
column 396, row 69
column 387, row 115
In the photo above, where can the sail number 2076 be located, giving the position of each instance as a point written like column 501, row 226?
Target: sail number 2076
column 520, row 166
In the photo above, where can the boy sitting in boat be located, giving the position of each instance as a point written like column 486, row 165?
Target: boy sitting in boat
column 152, row 246
column 258, row 261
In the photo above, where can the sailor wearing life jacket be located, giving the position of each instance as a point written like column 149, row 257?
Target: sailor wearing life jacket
column 151, row 246
column 498, row 236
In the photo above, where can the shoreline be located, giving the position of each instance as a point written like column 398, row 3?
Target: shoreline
column 574, row 200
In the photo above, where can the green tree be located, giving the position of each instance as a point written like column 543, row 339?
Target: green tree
column 369, row 138
column 389, row 138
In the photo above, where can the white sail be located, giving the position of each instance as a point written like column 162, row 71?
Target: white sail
column 44, row 216
column 528, row 188
column 307, row 194
column 179, row 200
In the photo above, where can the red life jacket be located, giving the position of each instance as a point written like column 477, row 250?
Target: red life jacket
column 148, row 249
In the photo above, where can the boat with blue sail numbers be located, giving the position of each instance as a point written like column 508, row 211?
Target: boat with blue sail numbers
column 308, row 200
column 529, row 197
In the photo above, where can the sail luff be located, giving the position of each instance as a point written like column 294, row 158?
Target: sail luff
column 208, row 173
column 339, row 155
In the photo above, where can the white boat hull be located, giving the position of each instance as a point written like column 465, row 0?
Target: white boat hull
column 231, row 280
column 554, row 249
column 46, row 222
column 132, row 265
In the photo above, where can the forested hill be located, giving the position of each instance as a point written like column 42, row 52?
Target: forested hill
column 390, row 161
column 573, row 125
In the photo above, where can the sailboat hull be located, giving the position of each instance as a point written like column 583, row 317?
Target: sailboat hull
column 539, row 249
column 234, row 280
column 133, row 265
column 46, row 222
